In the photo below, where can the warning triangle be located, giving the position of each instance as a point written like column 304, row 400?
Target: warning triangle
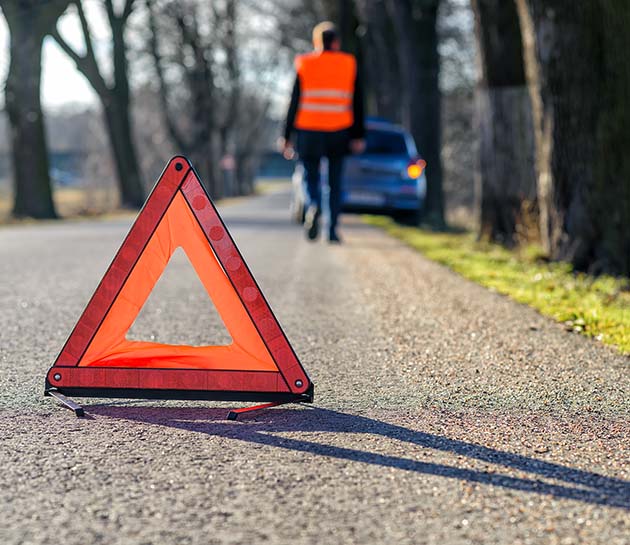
column 98, row 359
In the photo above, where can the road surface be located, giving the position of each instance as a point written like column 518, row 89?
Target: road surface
column 444, row 413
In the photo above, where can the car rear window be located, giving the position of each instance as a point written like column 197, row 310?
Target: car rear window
column 385, row 143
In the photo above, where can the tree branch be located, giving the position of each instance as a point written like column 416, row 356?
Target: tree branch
column 84, row 64
column 111, row 14
column 87, row 35
column 127, row 10
column 78, row 59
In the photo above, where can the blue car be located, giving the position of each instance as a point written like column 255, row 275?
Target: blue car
column 387, row 178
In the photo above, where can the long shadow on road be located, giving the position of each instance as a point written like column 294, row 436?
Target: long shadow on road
column 590, row 487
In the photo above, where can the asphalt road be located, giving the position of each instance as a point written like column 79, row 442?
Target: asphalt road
column 444, row 414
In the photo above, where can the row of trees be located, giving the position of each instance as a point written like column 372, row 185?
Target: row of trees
column 553, row 103
column 552, row 100
column 192, row 57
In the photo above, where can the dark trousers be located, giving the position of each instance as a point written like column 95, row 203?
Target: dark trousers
column 312, row 147
column 314, row 188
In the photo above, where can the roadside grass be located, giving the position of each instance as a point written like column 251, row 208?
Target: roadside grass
column 597, row 307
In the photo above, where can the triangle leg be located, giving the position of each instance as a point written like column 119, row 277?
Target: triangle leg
column 234, row 414
column 67, row 403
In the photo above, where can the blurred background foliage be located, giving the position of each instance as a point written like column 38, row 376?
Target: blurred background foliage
column 520, row 107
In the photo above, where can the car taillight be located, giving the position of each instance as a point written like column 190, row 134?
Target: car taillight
column 415, row 169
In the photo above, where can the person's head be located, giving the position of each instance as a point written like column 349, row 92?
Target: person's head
column 325, row 37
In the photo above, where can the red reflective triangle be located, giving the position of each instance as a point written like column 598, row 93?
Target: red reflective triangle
column 98, row 360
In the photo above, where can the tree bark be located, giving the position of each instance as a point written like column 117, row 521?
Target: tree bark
column 415, row 23
column 506, row 161
column 116, row 105
column 28, row 24
column 115, row 98
column 580, row 86
column 227, row 21
column 380, row 67
column 123, row 150
column 612, row 177
column 202, row 89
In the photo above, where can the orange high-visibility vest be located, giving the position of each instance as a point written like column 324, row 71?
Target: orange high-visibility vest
column 326, row 89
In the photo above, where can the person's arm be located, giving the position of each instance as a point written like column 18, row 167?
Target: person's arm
column 357, row 131
column 289, row 126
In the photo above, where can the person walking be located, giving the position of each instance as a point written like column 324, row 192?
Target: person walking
column 326, row 116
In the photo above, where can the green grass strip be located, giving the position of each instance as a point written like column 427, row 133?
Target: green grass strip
column 593, row 306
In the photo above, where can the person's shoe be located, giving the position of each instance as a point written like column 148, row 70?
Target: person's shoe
column 334, row 238
column 311, row 223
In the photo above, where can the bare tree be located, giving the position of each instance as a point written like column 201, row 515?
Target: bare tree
column 415, row 23
column 115, row 97
column 214, row 102
column 29, row 21
column 580, row 87
column 192, row 127
column 508, row 182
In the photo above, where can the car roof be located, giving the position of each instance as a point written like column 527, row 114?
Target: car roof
column 375, row 123
column 380, row 124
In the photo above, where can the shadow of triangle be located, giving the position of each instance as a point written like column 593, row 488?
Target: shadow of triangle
column 588, row 487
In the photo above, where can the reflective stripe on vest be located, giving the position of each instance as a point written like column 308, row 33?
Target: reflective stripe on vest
column 326, row 89
column 324, row 107
column 326, row 93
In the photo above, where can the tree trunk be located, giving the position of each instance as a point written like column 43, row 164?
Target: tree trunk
column 202, row 156
column 116, row 104
column 380, row 66
column 416, row 28
column 198, row 141
column 31, row 180
column 115, row 98
column 116, row 115
column 244, row 174
column 226, row 170
column 612, row 251
column 580, row 86
column 348, row 26
column 507, row 174
column 203, row 145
